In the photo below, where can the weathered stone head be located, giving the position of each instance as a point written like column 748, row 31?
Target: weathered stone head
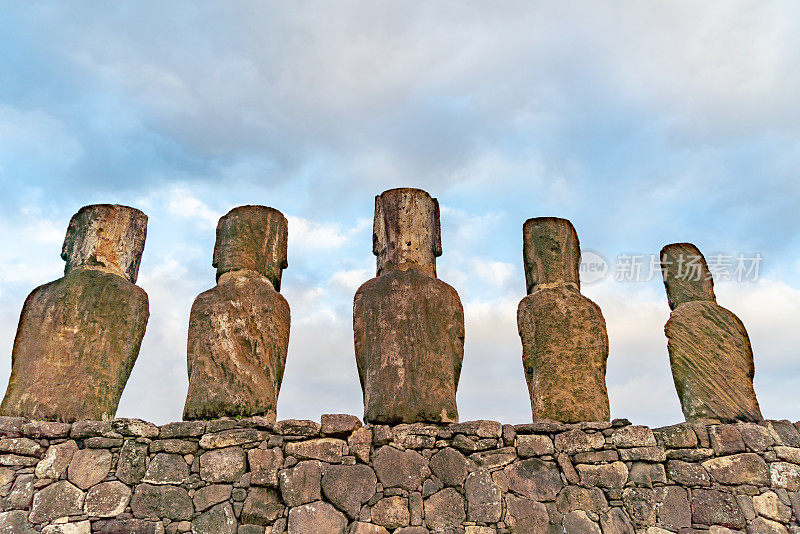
column 686, row 275
column 551, row 252
column 252, row 238
column 105, row 237
column 406, row 233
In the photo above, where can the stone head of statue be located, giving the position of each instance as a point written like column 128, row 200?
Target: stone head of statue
column 551, row 252
column 406, row 233
column 105, row 237
column 686, row 275
column 252, row 238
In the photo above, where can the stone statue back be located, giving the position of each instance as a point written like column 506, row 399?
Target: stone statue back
column 239, row 330
column 408, row 325
column 709, row 349
column 563, row 333
column 79, row 336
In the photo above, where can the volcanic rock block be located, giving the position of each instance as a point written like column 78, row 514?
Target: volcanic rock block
column 239, row 330
column 79, row 336
column 564, row 339
column 709, row 349
column 408, row 325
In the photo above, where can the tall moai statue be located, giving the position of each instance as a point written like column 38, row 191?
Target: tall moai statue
column 408, row 324
column 709, row 349
column 79, row 336
column 564, row 339
column 239, row 330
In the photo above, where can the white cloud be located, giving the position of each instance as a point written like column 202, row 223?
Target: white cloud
column 348, row 281
column 183, row 205
column 309, row 235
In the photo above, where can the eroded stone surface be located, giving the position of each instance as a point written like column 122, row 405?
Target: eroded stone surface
column 59, row 499
column 408, row 325
column 56, row 460
column 397, row 468
column 80, row 335
column 444, row 509
column 301, row 484
column 107, row 499
column 709, row 349
column 262, row 506
column 564, row 339
column 218, row 520
column 223, row 465
column 88, row 467
column 316, row 517
column 156, row 502
column 348, row 487
column 239, row 330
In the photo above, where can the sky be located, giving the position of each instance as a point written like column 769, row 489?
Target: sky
column 644, row 123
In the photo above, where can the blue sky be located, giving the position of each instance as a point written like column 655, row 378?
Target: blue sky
column 643, row 123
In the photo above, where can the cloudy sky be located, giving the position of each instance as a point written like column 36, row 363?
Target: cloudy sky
column 644, row 123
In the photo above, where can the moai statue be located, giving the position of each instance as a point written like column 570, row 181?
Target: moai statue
column 239, row 330
column 79, row 336
column 709, row 350
column 408, row 325
column 564, row 339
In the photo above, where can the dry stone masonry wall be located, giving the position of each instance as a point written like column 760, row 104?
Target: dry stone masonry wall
column 250, row 476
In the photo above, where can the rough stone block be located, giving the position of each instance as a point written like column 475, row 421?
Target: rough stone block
column 745, row 468
column 577, row 440
column 450, row 466
column 88, row 467
column 391, row 512
column 223, row 465
column 316, row 517
column 264, row 466
column 484, row 498
column 396, row 468
column 56, row 460
column 206, row 497
column 262, row 506
column 444, row 509
column 167, row 469
column 712, row 507
column 218, row 520
column 328, row 450
column 59, row 499
column 301, row 484
column 339, row 425
column 349, row 487
column 161, row 502
column 107, row 499
column 534, row 478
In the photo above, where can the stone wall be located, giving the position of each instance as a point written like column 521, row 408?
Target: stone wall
column 250, row 476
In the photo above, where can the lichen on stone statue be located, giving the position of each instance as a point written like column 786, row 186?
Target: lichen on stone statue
column 564, row 339
column 79, row 336
column 239, row 330
column 408, row 325
column 709, row 349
